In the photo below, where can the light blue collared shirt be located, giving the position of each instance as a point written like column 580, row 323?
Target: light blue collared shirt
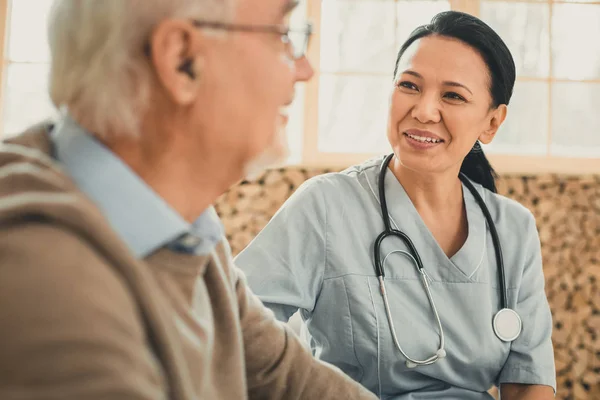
column 143, row 220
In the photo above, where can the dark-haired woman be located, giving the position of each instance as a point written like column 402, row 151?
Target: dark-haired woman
column 457, row 307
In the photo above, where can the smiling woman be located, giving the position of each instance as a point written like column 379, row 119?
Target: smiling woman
column 430, row 331
column 458, row 90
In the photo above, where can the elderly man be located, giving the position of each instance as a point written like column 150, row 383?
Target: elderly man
column 115, row 278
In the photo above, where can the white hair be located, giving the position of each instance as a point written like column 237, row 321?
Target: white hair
column 99, row 71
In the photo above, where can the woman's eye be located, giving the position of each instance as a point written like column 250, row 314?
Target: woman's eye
column 454, row 96
column 407, row 85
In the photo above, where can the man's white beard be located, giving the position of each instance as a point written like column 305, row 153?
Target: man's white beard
column 272, row 156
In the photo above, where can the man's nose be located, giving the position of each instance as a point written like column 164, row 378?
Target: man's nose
column 304, row 70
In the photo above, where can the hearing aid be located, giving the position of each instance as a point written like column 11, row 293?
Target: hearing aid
column 187, row 67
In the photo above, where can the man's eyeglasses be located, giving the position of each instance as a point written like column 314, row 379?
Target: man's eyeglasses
column 296, row 40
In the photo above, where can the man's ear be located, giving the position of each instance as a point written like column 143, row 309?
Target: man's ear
column 177, row 59
column 496, row 119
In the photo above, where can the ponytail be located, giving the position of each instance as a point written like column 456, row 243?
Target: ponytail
column 478, row 169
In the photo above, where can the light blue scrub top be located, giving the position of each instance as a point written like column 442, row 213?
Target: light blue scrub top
column 316, row 255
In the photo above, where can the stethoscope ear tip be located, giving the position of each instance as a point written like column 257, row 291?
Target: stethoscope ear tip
column 441, row 353
column 411, row 365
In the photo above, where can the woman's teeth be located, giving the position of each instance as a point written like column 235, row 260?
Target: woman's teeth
column 423, row 139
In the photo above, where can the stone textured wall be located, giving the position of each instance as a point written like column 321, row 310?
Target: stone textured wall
column 567, row 210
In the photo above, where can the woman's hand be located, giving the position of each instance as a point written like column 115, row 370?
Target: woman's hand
column 518, row 391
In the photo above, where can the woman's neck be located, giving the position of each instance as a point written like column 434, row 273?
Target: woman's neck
column 438, row 199
column 431, row 193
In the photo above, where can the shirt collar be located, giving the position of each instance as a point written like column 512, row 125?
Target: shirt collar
column 143, row 220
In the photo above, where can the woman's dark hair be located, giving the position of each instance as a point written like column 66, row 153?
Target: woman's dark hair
column 477, row 34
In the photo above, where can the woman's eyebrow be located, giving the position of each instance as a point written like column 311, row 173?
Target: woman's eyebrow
column 445, row 83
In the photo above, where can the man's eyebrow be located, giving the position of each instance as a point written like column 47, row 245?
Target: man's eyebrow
column 289, row 6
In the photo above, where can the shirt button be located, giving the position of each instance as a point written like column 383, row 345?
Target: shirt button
column 190, row 241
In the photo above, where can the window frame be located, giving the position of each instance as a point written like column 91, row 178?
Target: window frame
column 503, row 163
column 312, row 157
column 4, row 17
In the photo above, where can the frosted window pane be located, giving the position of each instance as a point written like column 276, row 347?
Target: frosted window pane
column 295, row 127
column 524, row 29
column 575, row 48
column 28, row 31
column 576, row 119
column 357, row 35
column 414, row 13
column 525, row 130
column 353, row 113
column 574, row 1
column 26, row 99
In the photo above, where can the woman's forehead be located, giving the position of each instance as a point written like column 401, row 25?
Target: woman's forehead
column 446, row 59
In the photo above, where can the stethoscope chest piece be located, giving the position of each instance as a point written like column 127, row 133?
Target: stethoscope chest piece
column 507, row 324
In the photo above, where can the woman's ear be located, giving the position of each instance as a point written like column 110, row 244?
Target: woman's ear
column 497, row 117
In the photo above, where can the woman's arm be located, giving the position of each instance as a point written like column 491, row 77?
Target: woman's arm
column 284, row 264
column 531, row 357
column 518, row 391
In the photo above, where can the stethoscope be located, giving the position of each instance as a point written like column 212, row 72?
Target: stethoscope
column 506, row 323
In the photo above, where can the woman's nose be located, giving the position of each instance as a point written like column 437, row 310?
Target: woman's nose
column 426, row 109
